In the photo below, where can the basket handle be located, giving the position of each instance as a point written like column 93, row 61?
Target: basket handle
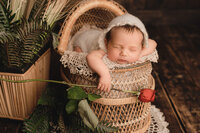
column 89, row 4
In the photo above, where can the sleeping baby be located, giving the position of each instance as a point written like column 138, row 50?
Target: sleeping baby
column 125, row 41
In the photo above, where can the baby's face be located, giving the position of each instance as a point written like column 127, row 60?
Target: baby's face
column 124, row 47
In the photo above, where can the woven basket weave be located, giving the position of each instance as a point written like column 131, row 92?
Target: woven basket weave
column 128, row 114
column 17, row 100
column 122, row 109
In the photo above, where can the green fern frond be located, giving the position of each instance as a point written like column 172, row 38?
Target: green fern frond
column 10, row 57
column 74, row 124
column 25, row 46
column 105, row 127
column 6, row 37
column 38, row 121
column 13, row 54
column 51, row 105
column 6, row 17
column 34, row 37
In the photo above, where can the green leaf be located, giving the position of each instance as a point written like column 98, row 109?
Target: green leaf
column 6, row 36
column 88, row 116
column 6, row 17
column 71, row 106
column 105, row 127
column 38, row 121
column 76, row 93
column 45, row 100
column 93, row 97
column 24, row 46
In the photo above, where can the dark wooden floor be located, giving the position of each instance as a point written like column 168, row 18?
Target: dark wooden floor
column 177, row 78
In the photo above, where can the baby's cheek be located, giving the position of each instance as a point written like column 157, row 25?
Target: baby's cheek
column 134, row 58
column 113, row 55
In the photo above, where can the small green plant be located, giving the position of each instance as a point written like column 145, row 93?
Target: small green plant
column 48, row 116
column 26, row 31
column 66, row 111
column 22, row 42
column 78, row 102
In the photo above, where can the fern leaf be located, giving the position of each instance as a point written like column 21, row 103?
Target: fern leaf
column 6, row 18
column 34, row 36
column 10, row 56
column 38, row 121
column 13, row 54
column 105, row 127
column 6, row 37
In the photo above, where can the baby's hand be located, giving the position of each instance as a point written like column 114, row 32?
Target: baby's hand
column 104, row 83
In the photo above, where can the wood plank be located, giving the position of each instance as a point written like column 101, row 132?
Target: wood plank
column 153, row 4
column 163, row 103
column 188, row 50
column 168, row 17
column 181, row 4
column 194, row 4
column 176, row 78
column 138, row 4
column 10, row 126
column 133, row 4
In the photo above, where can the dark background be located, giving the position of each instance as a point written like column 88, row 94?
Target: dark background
column 164, row 12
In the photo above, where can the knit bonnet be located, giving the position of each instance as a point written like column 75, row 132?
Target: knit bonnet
column 120, row 21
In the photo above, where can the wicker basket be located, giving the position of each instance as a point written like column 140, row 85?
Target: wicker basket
column 120, row 108
column 17, row 100
column 128, row 114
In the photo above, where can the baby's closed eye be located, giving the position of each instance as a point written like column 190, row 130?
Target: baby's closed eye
column 116, row 46
column 132, row 49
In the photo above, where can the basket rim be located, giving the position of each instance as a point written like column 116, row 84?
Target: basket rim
column 77, row 11
column 131, row 67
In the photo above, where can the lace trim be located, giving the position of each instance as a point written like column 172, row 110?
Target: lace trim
column 77, row 64
column 158, row 123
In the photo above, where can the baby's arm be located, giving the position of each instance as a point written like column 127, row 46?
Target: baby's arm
column 150, row 49
column 96, row 63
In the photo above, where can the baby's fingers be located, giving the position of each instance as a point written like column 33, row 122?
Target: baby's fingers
column 100, row 85
column 108, row 87
column 105, row 88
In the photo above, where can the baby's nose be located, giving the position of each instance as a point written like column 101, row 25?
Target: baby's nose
column 123, row 52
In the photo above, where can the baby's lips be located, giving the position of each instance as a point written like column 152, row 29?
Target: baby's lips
column 121, row 61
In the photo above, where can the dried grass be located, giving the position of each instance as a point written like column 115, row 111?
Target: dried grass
column 54, row 11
